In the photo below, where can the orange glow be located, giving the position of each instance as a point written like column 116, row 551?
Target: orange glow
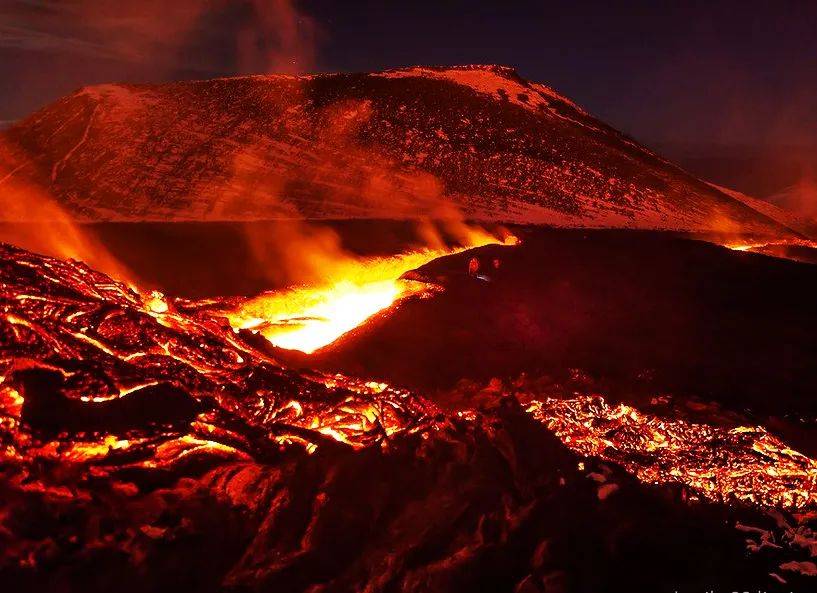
column 730, row 462
column 42, row 225
column 760, row 244
column 310, row 316
column 156, row 302
column 307, row 318
column 744, row 464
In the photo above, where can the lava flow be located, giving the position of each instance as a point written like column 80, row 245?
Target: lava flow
column 141, row 428
column 310, row 316
column 788, row 248
column 742, row 463
column 82, row 354
column 752, row 245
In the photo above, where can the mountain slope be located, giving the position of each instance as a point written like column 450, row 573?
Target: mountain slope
column 778, row 208
column 476, row 140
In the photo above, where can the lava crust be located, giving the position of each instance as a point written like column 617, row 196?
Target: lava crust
column 148, row 447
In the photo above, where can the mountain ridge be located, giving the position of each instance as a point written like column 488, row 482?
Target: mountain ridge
column 476, row 141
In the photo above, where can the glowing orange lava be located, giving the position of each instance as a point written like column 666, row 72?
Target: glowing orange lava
column 747, row 245
column 308, row 317
column 744, row 464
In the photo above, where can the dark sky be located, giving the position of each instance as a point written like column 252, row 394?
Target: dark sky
column 728, row 72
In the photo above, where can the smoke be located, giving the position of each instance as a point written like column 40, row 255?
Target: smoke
column 85, row 41
column 32, row 219
column 336, row 171
column 801, row 197
column 159, row 40
column 280, row 38
column 49, row 48
column 335, row 174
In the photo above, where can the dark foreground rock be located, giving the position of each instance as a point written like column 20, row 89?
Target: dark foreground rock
column 288, row 481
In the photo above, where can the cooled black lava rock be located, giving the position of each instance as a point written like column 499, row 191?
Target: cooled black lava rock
column 47, row 409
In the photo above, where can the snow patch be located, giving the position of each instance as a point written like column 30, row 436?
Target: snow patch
column 494, row 81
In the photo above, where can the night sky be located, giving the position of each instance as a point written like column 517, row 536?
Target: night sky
column 726, row 73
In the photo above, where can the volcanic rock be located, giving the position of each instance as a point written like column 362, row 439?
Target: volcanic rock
column 473, row 141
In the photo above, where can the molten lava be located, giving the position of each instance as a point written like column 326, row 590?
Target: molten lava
column 768, row 246
column 97, row 369
column 308, row 317
column 136, row 426
column 742, row 463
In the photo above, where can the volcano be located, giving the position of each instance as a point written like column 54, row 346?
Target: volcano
column 322, row 334
column 477, row 140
